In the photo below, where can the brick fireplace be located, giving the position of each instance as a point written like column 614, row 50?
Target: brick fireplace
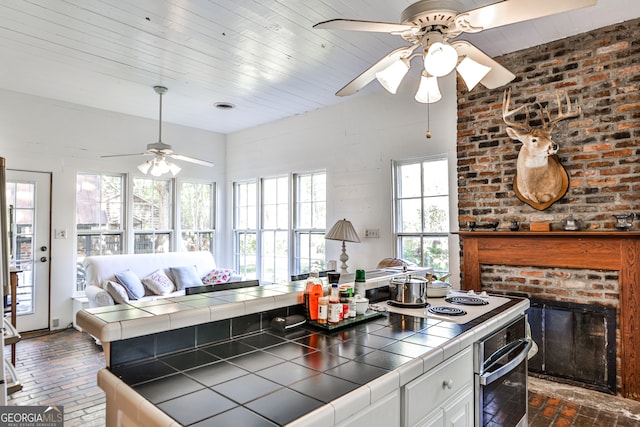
column 601, row 154
column 561, row 254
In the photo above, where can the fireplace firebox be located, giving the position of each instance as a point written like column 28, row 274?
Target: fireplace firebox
column 577, row 343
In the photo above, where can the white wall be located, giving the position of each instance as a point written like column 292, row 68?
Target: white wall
column 39, row 134
column 355, row 142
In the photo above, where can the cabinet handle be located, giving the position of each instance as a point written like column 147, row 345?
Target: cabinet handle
column 447, row 383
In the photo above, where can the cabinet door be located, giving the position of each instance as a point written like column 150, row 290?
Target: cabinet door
column 385, row 412
column 458, row 411
column 434, row 419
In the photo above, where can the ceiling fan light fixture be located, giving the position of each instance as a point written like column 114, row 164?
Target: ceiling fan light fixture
column 440, row 59
column 391, row 77
column 174, row 169
column 472, row 72
column 144, row 167
column 428, row 90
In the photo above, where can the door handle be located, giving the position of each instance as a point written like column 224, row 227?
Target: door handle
column 488, row 377
column 43, row 259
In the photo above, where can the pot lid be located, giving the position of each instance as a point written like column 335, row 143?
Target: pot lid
column 408, row 279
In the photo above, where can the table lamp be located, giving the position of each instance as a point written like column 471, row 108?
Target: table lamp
column 343, row 231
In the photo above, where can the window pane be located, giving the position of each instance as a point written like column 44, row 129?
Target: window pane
column 151, row 204
column 436, row 178
column 410, row 214
column 436, row 253
column 410, row 249
column 436, row 212
column 99, row 218
column 409, row 181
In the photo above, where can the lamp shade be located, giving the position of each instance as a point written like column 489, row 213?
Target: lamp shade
column 391, row 76
column 472, row 72
column 428, row 91
column 440, row 59
column 343, row 231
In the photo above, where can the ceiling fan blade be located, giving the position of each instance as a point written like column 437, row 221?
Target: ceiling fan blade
column 190, row 159
column 498, row 76
column 512, row 11
column 126, row 155
column 370, row 73
column 371, row 26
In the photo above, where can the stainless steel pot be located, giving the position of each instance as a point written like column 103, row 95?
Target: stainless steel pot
column 408, row 290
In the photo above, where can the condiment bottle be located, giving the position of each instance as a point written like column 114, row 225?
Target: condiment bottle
column 335, row 307
column 323, row 310
column 314, row 296
column 352, row 307
column 311, row 281
column 360, row 285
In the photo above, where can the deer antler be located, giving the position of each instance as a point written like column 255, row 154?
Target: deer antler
column 550, row 123
column 508, row 114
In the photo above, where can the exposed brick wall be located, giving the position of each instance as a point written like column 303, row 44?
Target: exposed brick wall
column 599, row 149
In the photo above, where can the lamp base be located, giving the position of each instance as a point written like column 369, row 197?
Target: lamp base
column 343, row 259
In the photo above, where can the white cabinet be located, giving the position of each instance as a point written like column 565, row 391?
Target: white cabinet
column 442, row 396
column 385, row 412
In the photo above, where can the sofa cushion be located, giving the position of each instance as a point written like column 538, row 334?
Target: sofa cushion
column 131, row 283
column 117, row 292
column 158, row 283
column 185, row 276
column 217, row 276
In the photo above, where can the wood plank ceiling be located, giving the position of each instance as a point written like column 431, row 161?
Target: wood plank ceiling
column 260, row 55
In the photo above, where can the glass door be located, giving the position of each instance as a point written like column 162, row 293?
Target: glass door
column 28, row 200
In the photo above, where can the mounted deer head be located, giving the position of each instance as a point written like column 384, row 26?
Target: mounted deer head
column 540, row 178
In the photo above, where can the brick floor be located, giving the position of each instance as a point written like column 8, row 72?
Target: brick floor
column 60, row 369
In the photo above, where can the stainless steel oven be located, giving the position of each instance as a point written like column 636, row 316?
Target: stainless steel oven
column 500, row 367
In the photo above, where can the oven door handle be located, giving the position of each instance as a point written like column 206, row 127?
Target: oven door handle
column 488, row 377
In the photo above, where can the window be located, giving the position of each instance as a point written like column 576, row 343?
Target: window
column 152, row 215
column 197, row 223
column 310, row 222
column 266, row 250
column 99, row 218
column 422, row 212
column 245, row 228
column 274, row 230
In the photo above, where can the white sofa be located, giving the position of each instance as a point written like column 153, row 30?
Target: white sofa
column 102, row 268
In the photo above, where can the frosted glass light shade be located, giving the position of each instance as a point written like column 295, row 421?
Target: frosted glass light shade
column 472, row 72
column 440, row 59
column 144, row 167
column 428, row 91
column 391, row 76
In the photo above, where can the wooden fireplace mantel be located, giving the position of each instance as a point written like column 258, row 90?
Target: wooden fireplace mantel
column 596, row 250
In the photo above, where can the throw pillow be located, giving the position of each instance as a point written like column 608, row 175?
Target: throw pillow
column 185, row 276
column 158, row 283
column 131, row 283
column 117, row 292
column 217, row 275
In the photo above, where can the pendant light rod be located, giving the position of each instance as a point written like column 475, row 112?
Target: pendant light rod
column 160, row 90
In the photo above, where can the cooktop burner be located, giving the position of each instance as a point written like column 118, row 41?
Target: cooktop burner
column 446, row 310
column 403, row 305
column 466, row 300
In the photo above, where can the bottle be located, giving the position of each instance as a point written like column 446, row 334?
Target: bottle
column 335, row 306
column 323, row 310
column 352, row 307
column 311, row 280
column 314, row 296
column 361, row 284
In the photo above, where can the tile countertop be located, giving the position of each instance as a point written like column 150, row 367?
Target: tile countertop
column 123, row 321
column 306, row 377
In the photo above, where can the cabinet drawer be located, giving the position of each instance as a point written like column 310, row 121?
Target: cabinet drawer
column 429, row 391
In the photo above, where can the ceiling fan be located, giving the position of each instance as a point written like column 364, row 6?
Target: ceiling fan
column 160, row 151
column 429, row 25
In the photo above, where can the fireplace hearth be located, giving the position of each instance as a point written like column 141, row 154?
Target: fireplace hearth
column 577, row 343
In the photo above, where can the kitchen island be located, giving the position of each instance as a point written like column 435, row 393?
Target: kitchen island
column 212, row 359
